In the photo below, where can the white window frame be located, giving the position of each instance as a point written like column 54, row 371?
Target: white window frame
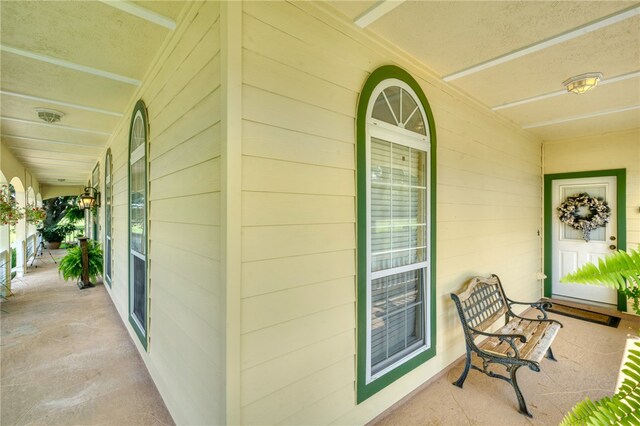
column 400, row 136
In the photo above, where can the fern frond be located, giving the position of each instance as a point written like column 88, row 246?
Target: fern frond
column 619, row 270
column 623, row 408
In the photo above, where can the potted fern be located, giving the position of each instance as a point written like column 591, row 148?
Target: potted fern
column 71, row 265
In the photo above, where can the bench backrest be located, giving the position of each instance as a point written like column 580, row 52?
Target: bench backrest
column 481, row 302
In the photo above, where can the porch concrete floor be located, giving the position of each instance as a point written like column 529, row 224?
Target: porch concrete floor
column 66, row 357
column 589, row 357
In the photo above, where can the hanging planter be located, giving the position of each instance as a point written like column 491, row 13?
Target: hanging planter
column 10, row 212
column 34, row 214
column 595, row 215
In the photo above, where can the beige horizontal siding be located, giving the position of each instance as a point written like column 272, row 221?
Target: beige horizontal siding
column 269, row 343
column 263, row 140
column 186, row 352
column 611, row 151
column 268, row 208
column 277, row 373
column 302, row 77
column 266, row 276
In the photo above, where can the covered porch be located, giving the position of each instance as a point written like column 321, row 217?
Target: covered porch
column 288, row 192
column 66, row 359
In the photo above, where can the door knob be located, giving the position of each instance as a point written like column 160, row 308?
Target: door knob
column 612, row 247
column 612, row 238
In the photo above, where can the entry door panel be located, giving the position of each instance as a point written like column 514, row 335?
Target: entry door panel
column 570, row 251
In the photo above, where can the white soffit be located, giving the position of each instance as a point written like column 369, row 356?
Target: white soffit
column 376, row 12
column 622, row 121
column 70, row 65
column 449, row 36
column 61, row 103
column 614, row 96
column 142, row 12
column 613, row 50
column 88, row 33
column 581, row 117
column 544, row 44
column 24, row 108
column 604, row 82
column 55, row 126
column 45, row 80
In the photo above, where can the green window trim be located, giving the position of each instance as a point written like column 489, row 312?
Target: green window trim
column 363, row 389
column 108, row 212
column 141, row 328
column 621, row 218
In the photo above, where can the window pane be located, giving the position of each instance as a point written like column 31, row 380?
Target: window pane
column 387, row 106
column 138, row 204
column 139, row 290
column 137, row 133
column 398, row 205
column 396, row 317
column 411, row 115
column 107, row 257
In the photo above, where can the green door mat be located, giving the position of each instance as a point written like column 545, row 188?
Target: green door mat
column 584, row 315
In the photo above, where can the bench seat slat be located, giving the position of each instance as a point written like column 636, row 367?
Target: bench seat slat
column 539, row 337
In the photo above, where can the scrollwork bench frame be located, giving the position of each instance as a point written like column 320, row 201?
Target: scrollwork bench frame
column 520, row 342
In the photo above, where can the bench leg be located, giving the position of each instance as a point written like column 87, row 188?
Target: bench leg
column 523, row 406
column 463, row 376
column 549, row 355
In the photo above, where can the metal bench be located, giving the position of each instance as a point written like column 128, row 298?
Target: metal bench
column 520, row 342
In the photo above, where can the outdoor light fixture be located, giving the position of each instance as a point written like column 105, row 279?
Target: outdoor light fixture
column 89, row 198
column 49, row 115
column 583, row 82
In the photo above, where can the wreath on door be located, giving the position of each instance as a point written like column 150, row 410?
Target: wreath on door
column 595, row 215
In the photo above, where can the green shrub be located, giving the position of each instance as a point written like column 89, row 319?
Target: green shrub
column 57, row 233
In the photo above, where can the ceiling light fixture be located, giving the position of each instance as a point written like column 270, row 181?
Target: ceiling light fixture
column 49, row 115
column 582, row 83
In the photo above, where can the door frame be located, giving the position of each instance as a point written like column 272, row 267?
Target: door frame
column 621, row 215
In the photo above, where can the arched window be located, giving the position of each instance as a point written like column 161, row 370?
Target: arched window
column 396, row 205
column 95, row 215
column 108, row 191
column 138, row 301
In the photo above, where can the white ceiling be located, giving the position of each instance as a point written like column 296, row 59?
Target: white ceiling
column 522, row 51
column 86, row 59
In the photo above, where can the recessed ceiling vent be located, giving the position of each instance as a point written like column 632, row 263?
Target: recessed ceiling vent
column 49, row 115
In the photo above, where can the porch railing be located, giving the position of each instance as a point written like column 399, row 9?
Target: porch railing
column 5, row 273
column 31, row 247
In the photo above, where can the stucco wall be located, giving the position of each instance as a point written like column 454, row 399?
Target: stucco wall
column 303, row 71
column 186, row 316
column 603, row 152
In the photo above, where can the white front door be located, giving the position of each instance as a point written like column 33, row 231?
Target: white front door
column 569, row 249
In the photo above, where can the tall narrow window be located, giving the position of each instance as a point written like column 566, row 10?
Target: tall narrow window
column 108, row 190
column 138, row 221
column 95, row 213
column 396, row 160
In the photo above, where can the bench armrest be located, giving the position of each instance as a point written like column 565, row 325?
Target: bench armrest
column 508, row 338
column 538, row 319
column 541, row 306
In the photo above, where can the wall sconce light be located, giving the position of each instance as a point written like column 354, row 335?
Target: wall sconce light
column 89, row 198
column 582, row 83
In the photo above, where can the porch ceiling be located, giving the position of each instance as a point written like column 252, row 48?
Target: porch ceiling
column 453, row 37
column 84, row 59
